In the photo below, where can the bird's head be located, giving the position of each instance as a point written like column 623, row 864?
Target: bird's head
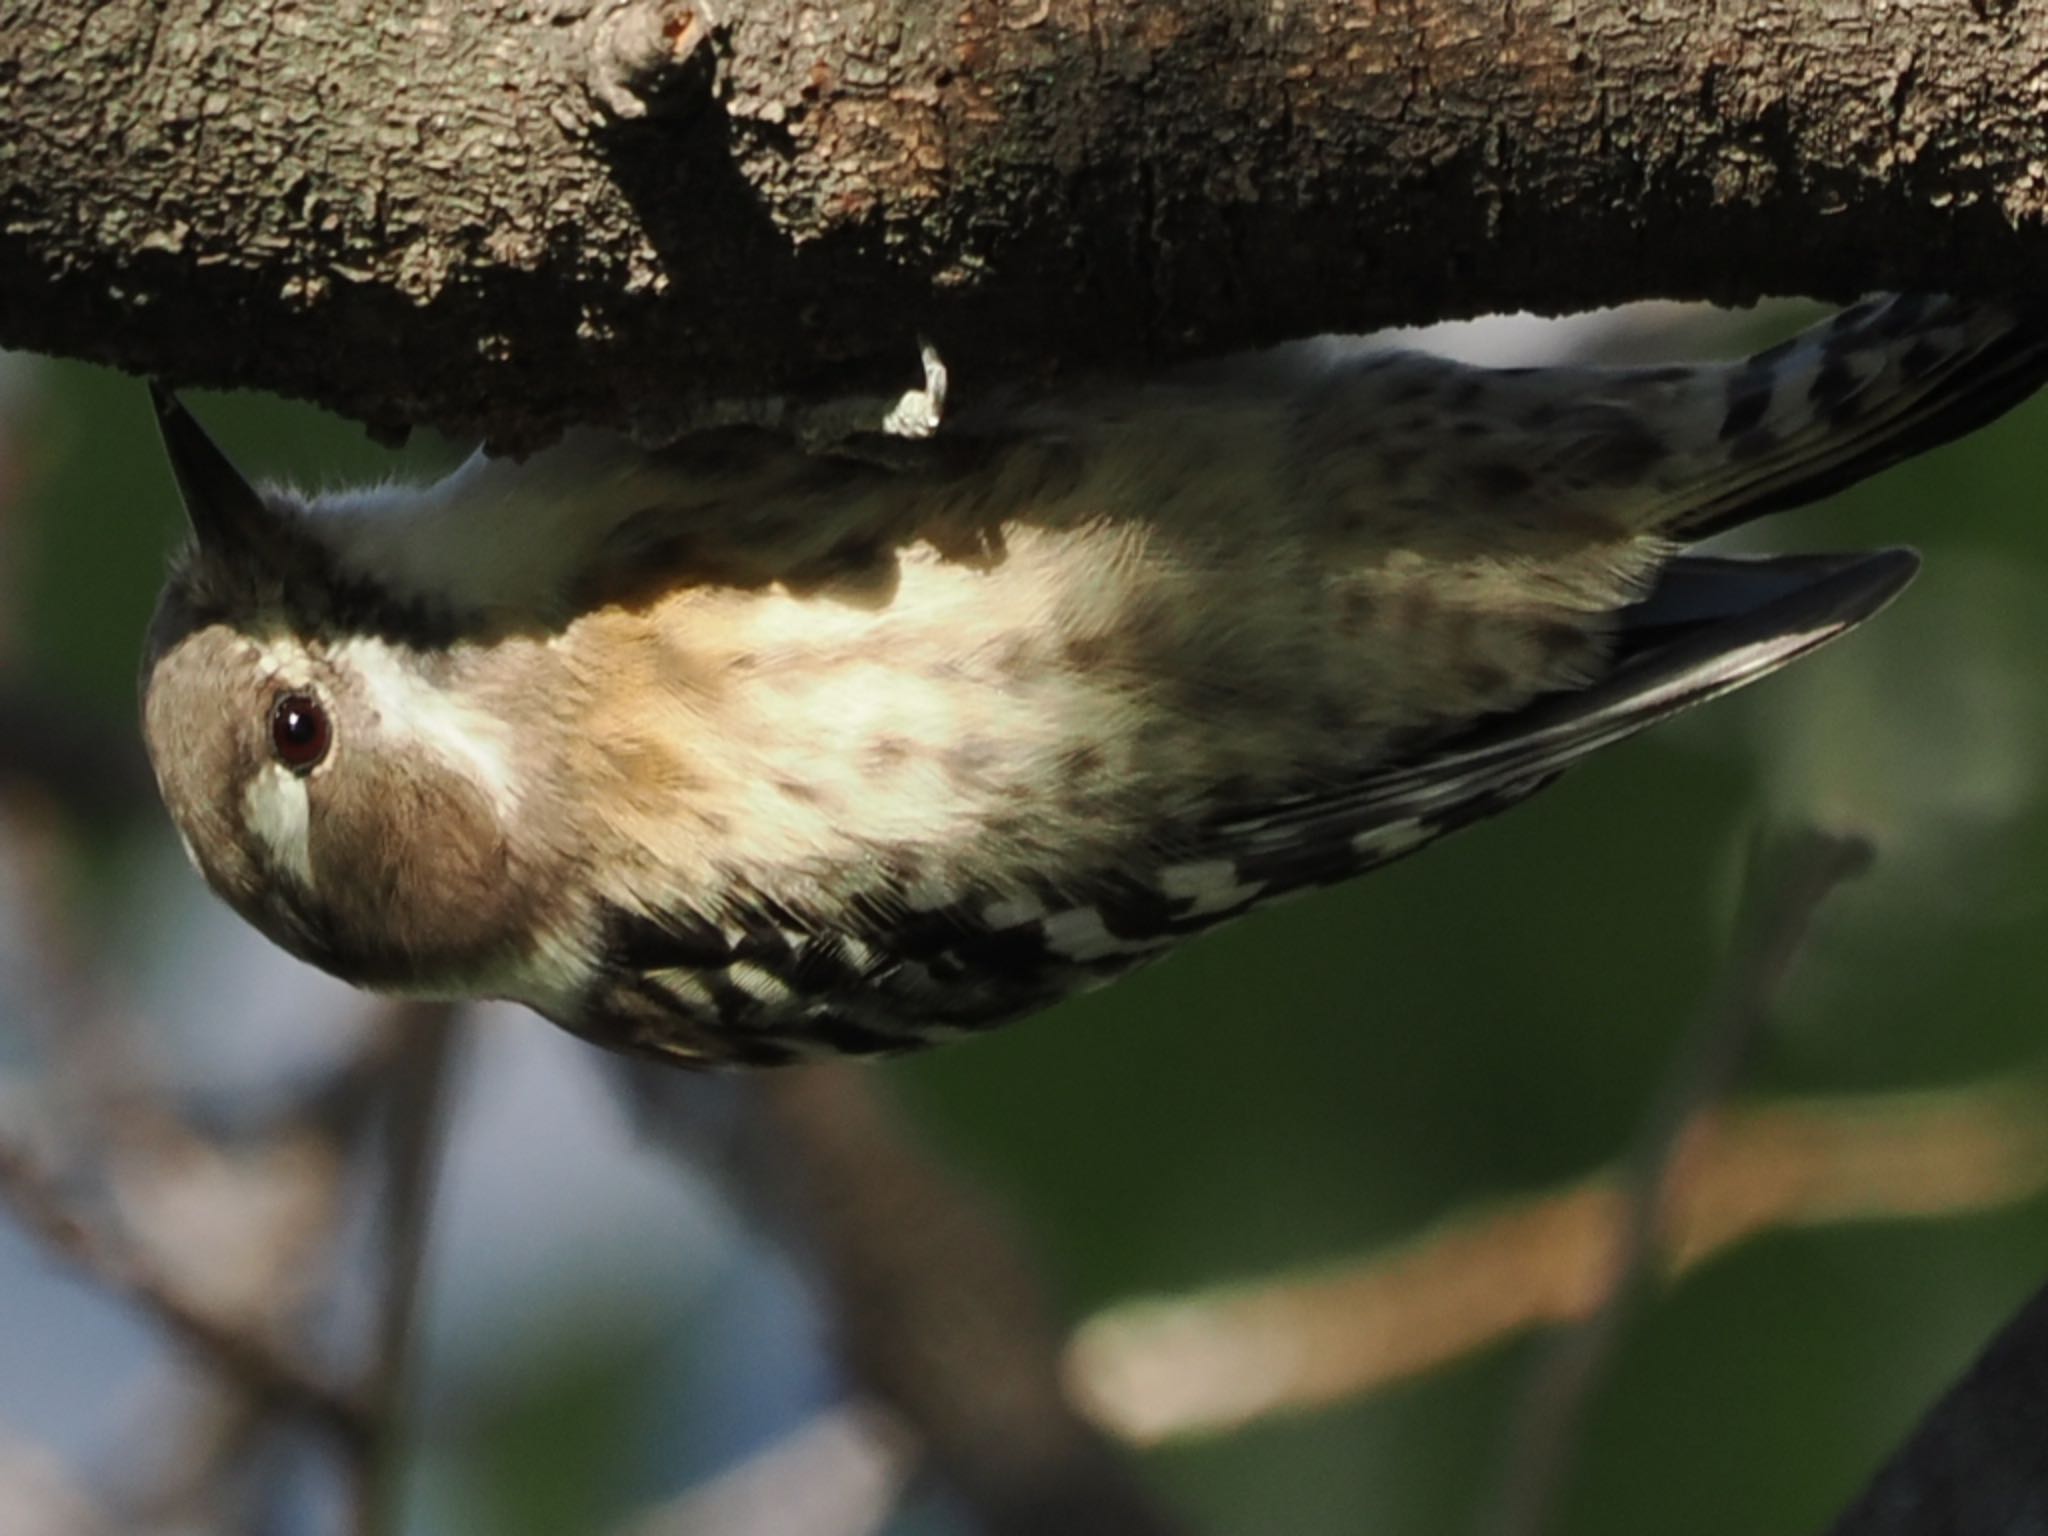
column 326, row 777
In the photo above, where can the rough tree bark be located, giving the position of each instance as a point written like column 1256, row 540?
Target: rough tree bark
column 505, row 215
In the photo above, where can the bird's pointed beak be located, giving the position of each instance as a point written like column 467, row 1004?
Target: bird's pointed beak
column 226, row 514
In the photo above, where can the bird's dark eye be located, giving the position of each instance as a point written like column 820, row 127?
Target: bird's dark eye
column 299, row 731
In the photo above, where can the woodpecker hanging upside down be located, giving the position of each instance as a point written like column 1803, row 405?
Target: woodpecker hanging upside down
column 733, row 754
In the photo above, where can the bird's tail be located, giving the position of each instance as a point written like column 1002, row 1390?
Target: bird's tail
column 1876, row 384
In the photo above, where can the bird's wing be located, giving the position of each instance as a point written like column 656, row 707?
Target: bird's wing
column 1712, row 625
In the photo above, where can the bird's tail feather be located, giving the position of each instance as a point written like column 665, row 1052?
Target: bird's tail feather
column 1876, row 384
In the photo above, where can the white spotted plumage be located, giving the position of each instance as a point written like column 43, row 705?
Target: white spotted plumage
column 1210, row 887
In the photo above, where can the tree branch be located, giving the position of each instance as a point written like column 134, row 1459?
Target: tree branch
column 1790, row 884
column 264, row 1368
column 1158, row 1369
column 428, row 1036
column 936, row 1313
column 1978, row 1463
column 508, row 215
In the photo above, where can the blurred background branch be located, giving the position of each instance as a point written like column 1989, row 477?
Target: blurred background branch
column 89, row 767
column 1160, row 1369
column 937, row 1314
column 1788, row 882
column 110, row 1259
column 416, row 1112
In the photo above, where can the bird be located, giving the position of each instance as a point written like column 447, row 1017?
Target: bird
column 738, row 751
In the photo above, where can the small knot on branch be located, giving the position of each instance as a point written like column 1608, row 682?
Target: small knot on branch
column 650, row 56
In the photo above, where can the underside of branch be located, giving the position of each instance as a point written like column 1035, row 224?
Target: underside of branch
column 504, row 216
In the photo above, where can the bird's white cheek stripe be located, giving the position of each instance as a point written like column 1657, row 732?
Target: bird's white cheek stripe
column 275, row 808
column 463, row 736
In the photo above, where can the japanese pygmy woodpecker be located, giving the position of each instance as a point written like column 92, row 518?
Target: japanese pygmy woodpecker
column 734, row 753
